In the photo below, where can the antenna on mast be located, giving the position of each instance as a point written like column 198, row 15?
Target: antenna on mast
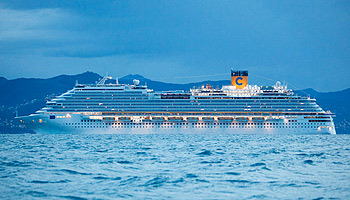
column 102, row 81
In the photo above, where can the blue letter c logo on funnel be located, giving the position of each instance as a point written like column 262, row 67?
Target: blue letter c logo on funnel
column 237, row 79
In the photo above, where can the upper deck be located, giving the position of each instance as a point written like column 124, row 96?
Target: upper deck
column 136, row 98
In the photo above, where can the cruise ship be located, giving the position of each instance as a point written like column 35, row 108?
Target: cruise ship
column 134, row 108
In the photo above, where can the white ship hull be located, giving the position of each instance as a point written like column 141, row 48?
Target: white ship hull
column 41, row 123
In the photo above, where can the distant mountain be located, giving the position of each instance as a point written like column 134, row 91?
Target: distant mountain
column 2, row 80
column 29, row 95
column 161, row 86
column 22, row 90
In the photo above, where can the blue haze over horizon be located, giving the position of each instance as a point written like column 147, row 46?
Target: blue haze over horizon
column 306, row 43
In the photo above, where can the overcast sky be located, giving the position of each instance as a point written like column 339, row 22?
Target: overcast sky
column 306, row 43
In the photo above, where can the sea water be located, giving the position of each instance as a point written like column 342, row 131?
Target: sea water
column 175, row 166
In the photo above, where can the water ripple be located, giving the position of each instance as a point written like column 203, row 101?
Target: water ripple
column 191, row 176
column 310, row 162
column 258, row 164
column 73, row 197
column 174, row 166
column 233, row 173
column 205, row 153
column 157, row 181
column 69, row 171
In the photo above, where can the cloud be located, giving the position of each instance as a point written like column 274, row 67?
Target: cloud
column 60, row 32
column 288, row 40
column 38, row 24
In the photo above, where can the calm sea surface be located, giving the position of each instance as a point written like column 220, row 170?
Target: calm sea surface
column 176, row 166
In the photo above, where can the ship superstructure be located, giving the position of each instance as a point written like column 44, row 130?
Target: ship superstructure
column 237, row 108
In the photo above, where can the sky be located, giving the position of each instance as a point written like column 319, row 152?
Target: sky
column 305, row 43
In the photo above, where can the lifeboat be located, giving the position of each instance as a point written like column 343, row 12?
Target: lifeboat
column 110, row 118
column 125, row 119
column 175, row 119
column 208, row 119
column 225, row 119
column 258, row 119
column 192, row 119
column 242, row 119
column 158, row 119
column 93, row 117
column 274, row 118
